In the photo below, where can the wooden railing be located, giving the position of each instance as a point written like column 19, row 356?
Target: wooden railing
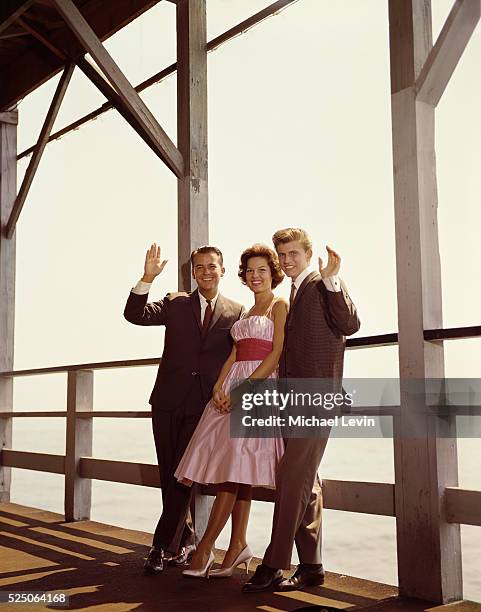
column 80, row 468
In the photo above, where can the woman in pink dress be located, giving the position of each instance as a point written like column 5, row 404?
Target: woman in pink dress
column 238, row 464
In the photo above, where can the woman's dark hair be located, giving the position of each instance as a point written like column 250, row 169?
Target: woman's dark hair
column 261, row 250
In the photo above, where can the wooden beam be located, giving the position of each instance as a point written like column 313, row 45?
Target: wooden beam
column 9, row 117
column 10, row 10
column 463, row 506
column 8, row 190
column 12, row 35
column 41, row 37
column 425, row 458
column 100, row 365
column 116, row 101
column 30, row 70
column 116, row 414
column 213, row 44
column 192, row 192
column 143, row 474
column 131, row 99
column 33, row 414
column 40, row 462
column 39, row 149
column 96, row 78
column 446, row 53
column 79, row 436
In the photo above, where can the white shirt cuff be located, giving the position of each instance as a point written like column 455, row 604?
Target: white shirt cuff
column 332, row 283
column 141, row 288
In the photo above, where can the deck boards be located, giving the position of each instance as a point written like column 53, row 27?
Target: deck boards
column 99, row 566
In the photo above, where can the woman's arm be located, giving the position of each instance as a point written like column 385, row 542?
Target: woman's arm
column 221, row 400
column 269, row 364
column 225, row 368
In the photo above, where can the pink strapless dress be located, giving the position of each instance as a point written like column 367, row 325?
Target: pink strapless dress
column 212, row 456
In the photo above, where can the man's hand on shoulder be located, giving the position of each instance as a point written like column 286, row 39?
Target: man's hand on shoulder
column 176, row 294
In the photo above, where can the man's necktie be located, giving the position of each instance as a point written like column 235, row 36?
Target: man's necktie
column 292, row 295
column 207, row 318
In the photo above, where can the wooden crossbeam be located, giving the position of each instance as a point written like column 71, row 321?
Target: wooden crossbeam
column 446, row 53
column 95, row 77
column 39, row 149
column 213, row 44
column 10, row 10
column 131, row 99
column 30, row 69
column 116, row 101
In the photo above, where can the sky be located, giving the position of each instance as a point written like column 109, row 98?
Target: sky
column 299, row 135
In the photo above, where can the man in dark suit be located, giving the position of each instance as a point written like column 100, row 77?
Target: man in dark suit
column 197, row 343
column 321, row 315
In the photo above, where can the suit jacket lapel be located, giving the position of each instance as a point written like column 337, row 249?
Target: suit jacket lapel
column 218, row 310
column 195, row 303
column 310, row 277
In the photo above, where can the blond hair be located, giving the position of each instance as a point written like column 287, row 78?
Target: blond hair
column 292, row 233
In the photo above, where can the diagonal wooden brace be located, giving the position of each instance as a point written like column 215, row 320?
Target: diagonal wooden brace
column 126, row 92
column 446, row 53
column 39, row 148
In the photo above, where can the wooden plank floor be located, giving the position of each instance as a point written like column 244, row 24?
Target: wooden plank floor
column 99, row 566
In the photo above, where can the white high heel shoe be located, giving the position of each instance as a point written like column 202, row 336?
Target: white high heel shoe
column 203, row 572
column 244, row 557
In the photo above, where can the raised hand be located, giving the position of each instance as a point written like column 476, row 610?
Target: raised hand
column 153, row 264
column 333, row 264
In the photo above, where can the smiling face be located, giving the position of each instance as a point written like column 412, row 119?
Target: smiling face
column 293, row 257
column 207, row 272
column 258, row 274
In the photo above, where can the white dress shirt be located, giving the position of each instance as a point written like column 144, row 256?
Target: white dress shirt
column 332, row 283
column 141, row 288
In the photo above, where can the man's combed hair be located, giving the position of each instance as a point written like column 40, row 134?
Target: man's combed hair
column 261, row 250
column 292, row 233
column 207, row 249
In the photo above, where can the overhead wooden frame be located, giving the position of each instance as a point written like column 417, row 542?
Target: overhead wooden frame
column 212, row 44
column 10, row 10
column 130, row 98
column 29, row 70
column 95, row 77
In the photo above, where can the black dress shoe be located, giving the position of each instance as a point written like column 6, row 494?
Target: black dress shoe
column 154, row 563
column 264, row 579
column 184, row 556
column 304, row 576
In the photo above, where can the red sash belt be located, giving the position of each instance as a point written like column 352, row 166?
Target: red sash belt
column 253, row 349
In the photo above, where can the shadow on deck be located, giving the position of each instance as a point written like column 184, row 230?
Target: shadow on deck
column 99, row 567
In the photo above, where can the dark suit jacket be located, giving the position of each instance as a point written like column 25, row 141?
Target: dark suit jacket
column 187, row 358
column 315, row 328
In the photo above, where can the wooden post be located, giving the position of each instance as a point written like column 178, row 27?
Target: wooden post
column 78, row 491
column 8, row 191
column 193, row 222
column 429, row 549
column 192, row 193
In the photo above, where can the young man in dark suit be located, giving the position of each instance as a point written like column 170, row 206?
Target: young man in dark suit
column 197, row 343
column 321, row 314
